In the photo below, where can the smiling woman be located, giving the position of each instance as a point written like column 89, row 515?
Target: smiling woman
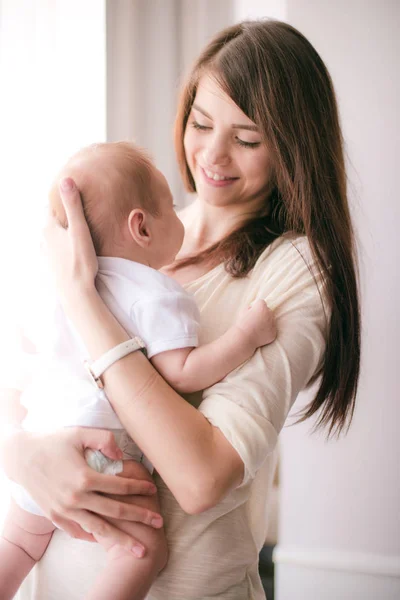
column 224, row 150
column 269, row 222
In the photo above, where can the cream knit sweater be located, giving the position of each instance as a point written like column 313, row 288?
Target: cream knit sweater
column 215, row 554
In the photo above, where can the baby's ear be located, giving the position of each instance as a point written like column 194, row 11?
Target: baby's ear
column 138, row 225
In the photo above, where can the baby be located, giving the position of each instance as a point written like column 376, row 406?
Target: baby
column 136, row 232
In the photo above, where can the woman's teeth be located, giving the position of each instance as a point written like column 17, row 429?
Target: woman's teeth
column 215, row 176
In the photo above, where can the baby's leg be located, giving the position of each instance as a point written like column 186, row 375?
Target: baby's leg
column 125, row 576
column 23, row 542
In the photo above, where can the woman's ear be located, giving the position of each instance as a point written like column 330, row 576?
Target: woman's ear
column 138, row 225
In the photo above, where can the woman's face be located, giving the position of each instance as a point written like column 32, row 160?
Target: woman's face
column 229, row 162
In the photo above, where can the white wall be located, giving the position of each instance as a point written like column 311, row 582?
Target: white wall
column 256, row 9
column 340, row 517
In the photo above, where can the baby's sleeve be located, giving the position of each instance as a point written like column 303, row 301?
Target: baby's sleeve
column 167, row 321
column 251, row 404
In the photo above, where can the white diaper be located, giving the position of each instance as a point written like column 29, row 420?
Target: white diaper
column 97, row 461
column 102, row 464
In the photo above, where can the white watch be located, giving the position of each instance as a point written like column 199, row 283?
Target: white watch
column 96, row 368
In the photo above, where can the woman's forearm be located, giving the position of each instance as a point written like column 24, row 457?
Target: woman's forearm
column 98, row 328
column 195, row 460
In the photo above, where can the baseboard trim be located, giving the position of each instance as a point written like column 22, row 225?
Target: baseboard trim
column 356, row 562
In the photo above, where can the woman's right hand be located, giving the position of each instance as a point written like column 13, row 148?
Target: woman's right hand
column 52, row 469
column 70, row 252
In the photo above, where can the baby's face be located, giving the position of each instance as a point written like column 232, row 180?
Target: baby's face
column 168, row 230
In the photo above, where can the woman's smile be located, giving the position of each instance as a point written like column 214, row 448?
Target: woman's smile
column 216, row 179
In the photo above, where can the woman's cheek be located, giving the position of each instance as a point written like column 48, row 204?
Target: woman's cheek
column 190, row 144
column 186, row 143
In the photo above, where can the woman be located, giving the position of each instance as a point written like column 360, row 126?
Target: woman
column 258, row 139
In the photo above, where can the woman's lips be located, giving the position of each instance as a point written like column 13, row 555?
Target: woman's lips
column 220, row 182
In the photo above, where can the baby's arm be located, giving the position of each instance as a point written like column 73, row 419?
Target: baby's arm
column 192, row 369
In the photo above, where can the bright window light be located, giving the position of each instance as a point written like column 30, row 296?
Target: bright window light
column 52, row 102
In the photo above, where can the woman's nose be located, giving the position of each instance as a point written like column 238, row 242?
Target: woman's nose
column 216, row 152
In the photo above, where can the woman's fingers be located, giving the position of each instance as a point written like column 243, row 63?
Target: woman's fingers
column 90, row 527
column 114, row 508
column 73, row 529
column 100, row 528
column 82, row 250
column 98, row 439
column 103, row 440
column 70, row 252
column 72, row 202
column 118, row 486
column 78, row 229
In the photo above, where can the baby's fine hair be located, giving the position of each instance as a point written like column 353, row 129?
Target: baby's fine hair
column 113, row 178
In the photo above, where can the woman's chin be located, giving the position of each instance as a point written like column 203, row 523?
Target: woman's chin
column 216, row 196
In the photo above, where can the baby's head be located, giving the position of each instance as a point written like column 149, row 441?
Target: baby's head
column 127, row 203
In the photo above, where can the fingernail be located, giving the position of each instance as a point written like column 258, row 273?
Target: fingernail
column 156, row 522
column 66, row 184
column 138, row 551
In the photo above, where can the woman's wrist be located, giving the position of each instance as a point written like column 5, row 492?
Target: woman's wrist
column 96, row 325
column 78, row 293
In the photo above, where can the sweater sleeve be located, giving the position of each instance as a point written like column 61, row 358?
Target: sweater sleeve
column 251, row 404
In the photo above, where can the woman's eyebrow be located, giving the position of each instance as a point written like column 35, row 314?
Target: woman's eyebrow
column 203, row 112
column 234, row 126
column 248, row 127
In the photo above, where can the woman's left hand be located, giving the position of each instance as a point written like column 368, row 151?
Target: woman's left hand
column 78, row 499
column 70, row 252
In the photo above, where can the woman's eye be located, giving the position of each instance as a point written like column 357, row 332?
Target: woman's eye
column 247, row 144
column 199, row 127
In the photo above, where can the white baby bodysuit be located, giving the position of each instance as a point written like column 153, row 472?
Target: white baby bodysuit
column 148, row 304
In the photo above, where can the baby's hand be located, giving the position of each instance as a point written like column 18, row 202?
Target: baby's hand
column 258, row 323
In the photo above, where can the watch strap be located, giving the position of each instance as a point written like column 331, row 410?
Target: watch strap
column 97, row 367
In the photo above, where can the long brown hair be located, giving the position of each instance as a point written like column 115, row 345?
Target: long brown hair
column 279, row 81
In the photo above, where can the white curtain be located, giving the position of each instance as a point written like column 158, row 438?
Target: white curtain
column 52, row 76
column 52, row 101
column 150, row 46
